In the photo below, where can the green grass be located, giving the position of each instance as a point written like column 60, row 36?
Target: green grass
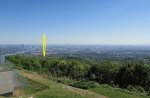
column 57, row 90
column 43, row 91
column 57, row 93
column 54, row 90
column 33, row 86
column 116, row 92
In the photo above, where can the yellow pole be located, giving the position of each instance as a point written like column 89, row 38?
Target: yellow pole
column 44, row 44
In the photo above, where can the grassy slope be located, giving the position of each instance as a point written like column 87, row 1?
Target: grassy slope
column 116, row 93
column 57, row 90
column 32, row 87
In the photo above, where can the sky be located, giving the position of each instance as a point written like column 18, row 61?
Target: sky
column 121, row 22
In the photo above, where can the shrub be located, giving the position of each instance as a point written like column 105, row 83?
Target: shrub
column 65, row 80
column 138, row 89
column 131, row 88
column 149, row 91
column 85, row 85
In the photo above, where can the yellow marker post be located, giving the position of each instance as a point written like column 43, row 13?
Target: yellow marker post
column 44, row 44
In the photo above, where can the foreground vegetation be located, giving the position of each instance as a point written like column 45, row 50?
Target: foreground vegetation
column 116, row 92
column 56, row 90
column 131, row 75
column 29, row 87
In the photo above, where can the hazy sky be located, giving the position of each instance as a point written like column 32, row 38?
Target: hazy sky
column 75, row 21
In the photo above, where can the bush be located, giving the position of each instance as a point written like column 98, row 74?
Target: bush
column 131, row 88
column 85, row 85
column 65, row 80
column 121, row 74
column 149, row 91
column 138, row 89
column 114, row 85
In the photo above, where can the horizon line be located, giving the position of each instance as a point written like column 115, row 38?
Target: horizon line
column 84, row 44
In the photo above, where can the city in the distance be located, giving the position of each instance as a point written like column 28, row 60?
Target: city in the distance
column 74, row 49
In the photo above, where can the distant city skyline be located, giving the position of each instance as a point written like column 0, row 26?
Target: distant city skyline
column 116, row 22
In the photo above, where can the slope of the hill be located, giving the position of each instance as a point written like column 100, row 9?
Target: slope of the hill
column 57, row 90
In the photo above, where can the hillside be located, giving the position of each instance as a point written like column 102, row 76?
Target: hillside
column 128, row 79
column 57, row 90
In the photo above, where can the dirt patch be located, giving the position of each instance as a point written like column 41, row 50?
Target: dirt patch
column 18, row 92
column 82, row 92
